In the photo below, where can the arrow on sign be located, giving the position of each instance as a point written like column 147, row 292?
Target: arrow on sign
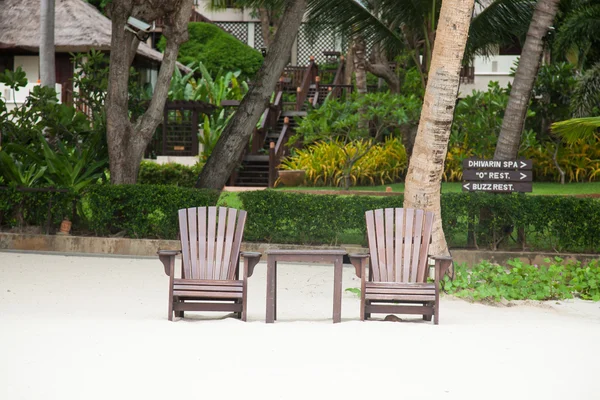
column 467, row 186
column 523, row 164
column 523, row 176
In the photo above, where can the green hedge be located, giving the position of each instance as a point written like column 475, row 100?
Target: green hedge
column 142, row 211
column 31, row 208
column 547, row 222
column 168, row 174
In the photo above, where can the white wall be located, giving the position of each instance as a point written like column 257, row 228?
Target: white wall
column 487, row 69
column 17, row 98
column 31, row 66
column 228, row 14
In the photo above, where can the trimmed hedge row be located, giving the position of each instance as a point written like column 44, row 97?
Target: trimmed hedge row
column 142, row 211
column 174, row 174
column 31, row 208
column 550, row 222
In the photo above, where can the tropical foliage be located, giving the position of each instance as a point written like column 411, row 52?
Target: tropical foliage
column 325, row 162
column 217, row 50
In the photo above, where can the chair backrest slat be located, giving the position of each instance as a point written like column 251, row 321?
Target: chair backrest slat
column 211, row 240
column 408, row 232
column 185, row 242
column 230, row 231
column 220, row 239
column 389, row 244
column 380, row 234
column 193, row 232
column 416, row 244
column 237, row 243
column 202, row 243
column 370, row 216
column 423, row 256
column 399, row 244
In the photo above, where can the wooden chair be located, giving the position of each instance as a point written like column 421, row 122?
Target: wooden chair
column 398, row 268
column 210, row 252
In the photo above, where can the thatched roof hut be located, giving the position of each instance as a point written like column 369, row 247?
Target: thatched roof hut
column 79, row 27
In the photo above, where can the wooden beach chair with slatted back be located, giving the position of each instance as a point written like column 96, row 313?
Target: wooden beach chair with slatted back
column 211, row 238
column 398, row 260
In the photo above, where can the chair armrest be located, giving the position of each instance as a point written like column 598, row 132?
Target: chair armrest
column 358, row 260
column 442, row 264
column 251, row 258
column 167, row 257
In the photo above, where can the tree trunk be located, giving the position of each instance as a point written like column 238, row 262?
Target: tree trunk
column 359, row 50
column 47, row 63
column 265, row 26
column 230, row 146
column 381, row 68
column 349, row 67
column 127, row 140
column 424, row 177
column 529, row 63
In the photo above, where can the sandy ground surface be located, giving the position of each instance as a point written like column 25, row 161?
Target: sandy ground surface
column 95, row 328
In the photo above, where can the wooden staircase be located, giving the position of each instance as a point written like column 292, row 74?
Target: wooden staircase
column 258, row 166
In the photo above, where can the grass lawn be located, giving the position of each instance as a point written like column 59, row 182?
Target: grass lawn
column 544, row 188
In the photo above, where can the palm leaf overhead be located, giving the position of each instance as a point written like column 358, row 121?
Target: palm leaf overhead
column 576, row 129
column 579, row 30
column 498, row 24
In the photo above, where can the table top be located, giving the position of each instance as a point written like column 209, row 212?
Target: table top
column 324, row 252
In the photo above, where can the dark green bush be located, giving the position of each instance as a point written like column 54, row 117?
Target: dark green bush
column 547, row 222
column 168, row 174
column 217, row 49
column 142, row 211
column 19, row 208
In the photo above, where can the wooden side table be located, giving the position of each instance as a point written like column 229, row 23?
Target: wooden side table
column 334, row 257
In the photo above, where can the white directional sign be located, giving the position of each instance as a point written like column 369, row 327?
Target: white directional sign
column 507, row 176
column 497, row 187
column 497, row 176
column 496, row 164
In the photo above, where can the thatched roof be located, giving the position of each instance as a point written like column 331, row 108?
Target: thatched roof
column 79, row 27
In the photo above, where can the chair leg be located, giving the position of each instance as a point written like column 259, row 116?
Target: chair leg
column 436, row 313
column 427, row 317
column 243, row 314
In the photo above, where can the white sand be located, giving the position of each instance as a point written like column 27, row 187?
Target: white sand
column 96, row 328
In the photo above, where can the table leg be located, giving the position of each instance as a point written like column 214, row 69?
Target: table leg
column 337, row 290
column 275, row 290
column 270, row 314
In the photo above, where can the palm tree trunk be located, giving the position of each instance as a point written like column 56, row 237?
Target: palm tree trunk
column 230, row 146
column 47, row 55
column 424, row 177
column 359, row 50
column 529, row 63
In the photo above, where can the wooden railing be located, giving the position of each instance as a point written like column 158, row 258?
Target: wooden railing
column 312, row 71
column 278, row 150
column 339, row 78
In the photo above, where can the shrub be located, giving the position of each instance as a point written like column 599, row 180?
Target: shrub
column 217, row 49
column 324, row 161
column 168, row 174
column 548, row 222
column 520, row 281
column 20, row 208
column 142, row 211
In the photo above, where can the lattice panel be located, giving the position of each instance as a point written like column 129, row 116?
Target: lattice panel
column 237, row 29
column 314, row 45
column 179, row 133
column 258, row 37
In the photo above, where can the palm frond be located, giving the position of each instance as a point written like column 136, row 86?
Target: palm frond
column 498, row 24
column 586, row 96
column 576, row 129
column 580, row 28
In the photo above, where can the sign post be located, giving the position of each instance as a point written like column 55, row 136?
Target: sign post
column 497, row 176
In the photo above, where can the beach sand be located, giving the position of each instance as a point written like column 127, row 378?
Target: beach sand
column 79, row 327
